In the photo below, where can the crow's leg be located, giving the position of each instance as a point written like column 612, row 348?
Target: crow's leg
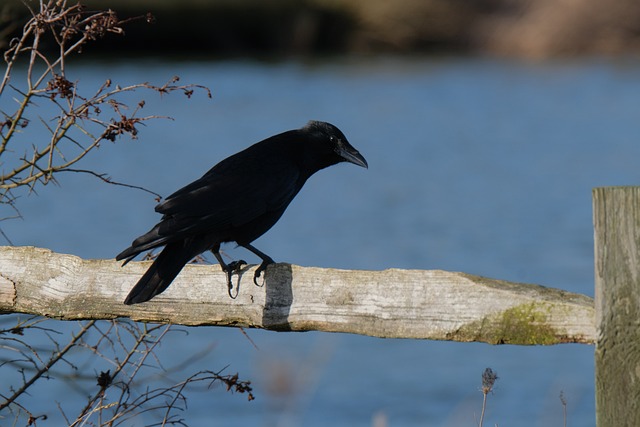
column 229, row 269
column 266, row 260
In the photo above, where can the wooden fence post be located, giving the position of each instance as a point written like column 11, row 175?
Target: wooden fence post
column 616, row 217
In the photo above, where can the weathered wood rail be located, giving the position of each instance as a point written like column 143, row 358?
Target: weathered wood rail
column 391, row 303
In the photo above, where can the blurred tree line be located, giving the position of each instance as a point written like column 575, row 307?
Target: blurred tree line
column 223, row 28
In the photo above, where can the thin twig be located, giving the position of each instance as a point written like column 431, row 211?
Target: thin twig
column 108, row 180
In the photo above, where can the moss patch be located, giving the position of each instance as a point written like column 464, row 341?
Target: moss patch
column 524, row 324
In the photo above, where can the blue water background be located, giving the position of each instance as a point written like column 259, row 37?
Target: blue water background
column 476, row 165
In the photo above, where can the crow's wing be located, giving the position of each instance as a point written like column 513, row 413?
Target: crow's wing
column 235, row 192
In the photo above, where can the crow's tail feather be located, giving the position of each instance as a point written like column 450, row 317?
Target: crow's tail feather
column 146, row 242
column 161, row 273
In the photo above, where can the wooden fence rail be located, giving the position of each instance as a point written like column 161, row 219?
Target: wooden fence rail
column 391, row 303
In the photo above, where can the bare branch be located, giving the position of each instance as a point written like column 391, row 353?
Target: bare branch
column 107, row 179
column 71, row 27
column 44, row 369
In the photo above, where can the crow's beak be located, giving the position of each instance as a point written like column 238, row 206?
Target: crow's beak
column 351, row 155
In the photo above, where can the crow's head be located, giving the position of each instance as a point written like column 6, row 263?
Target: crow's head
column 332, row 140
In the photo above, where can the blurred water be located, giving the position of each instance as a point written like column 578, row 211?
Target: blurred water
column 482, row 166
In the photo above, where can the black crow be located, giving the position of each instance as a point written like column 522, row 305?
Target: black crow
column 238, row 200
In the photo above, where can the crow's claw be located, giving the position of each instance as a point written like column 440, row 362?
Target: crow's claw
column 255, row 279
column 259, row 270
column 266, row 260
column 233, row 267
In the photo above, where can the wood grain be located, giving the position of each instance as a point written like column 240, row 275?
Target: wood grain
column 617, row 274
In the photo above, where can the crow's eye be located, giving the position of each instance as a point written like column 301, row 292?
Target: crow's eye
column 332, row 138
